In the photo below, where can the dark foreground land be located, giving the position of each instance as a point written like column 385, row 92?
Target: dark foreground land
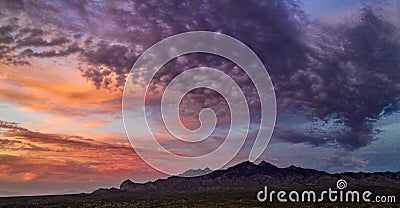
column 198, row 199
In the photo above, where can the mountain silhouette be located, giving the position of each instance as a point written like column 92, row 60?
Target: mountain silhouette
column 250, row 176
column 197, row 172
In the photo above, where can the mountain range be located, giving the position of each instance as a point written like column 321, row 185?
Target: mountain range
column 248, row 176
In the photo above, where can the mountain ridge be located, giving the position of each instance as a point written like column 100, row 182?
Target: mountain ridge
column 249, row 176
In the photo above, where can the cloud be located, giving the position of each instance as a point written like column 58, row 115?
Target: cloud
column 29, row 177
column 58, row 92
column 108, row 64
column 10, row 126
column 17, row 34
column 347, row 73
column 343, row 161
column 12, row 130
column 51, row 53
column 37, row 156
column 354, row 81
column 141, row 24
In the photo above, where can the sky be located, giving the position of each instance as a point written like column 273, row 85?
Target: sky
column 334, row 66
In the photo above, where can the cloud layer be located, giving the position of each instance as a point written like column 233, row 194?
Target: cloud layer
column 49, row 157
column 347, row 73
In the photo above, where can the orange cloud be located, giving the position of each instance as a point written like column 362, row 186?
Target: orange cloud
column 58, row 158
column 68, row 101
column 54, row 90
column 29, row 177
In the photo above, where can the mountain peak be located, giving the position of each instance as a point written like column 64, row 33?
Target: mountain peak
column 246, row 164
column 293, row 167
column 266, row 164
column 193, row 173
column 128, row 181
column 126, row 184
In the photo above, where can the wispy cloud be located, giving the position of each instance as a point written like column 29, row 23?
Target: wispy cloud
column 30, row 155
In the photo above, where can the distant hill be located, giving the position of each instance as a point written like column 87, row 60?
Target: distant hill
column 193, row 173
column 248, row 176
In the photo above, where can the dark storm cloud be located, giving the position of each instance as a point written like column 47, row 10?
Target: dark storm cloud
column 17, row 35
column 7, row 45
column 114, row 58
column 348, row 73
column 31, row 37
column 129, row 28
column 34, row 37
column 5, row 36
column 356, row 82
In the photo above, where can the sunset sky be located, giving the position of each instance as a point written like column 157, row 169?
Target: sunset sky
column 335, row 66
